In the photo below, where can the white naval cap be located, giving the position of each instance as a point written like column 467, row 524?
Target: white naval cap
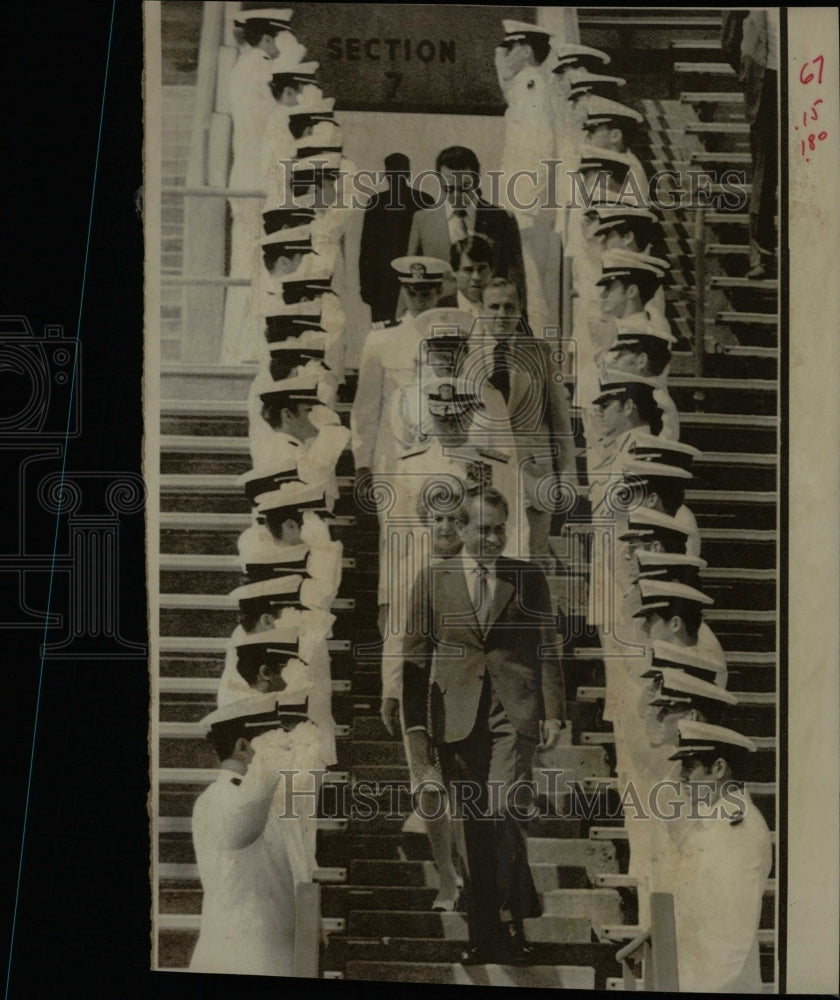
column 266, row 478
column 294, row 497
column 656, row 595
column 299, row 389
column 642, row 471
column 447, row 396
column 284, row 591
column 601, row 111
column 444, row 324
column 273, row 17
column 420, row 270
column 668, row 565
column 646, row 524
column 679, row 686
column 293, row 72
column 613, row 382
column 259, row 713
column 582, row 82
column 703, row 737
column 650, row 448
column 570, row 54
column 291, row 240
column 638, row 331
column 522, row 31
column 689, row 659
column 621, row 263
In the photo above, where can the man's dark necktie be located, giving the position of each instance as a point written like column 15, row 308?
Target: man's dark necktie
column 500, row 378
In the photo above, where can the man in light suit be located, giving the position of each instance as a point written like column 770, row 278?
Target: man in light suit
column 434, row 231
column 480, row 652
column 527, row 373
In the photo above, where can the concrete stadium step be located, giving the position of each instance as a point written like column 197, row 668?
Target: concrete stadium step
column 547, row 876
column 216, row 534
column 193, row 454
column 216, row 614
column 737, row 361
column 453, row 926
column 209, row 418
column 211, row 493
column 568, row 977
column 753, row 397
column 188, row 381
column 211, row 574
column 731, row 97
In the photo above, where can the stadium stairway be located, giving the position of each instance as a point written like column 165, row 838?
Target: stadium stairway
column 377, row 878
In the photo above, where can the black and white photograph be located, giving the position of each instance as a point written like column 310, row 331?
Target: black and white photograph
column 476, row 653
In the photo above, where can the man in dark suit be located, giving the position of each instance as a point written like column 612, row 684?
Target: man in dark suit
column 434, row 231
column 480, row 652
column 385, row 233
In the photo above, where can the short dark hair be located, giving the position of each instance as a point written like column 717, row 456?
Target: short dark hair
column 223, row 737
column 644, row 230
column 249, row 668
column 253, row 31
column 456, row 158
column 487, row 495
column 476, row 247
column 272, row 411
column 689, row 611
column 671, row 493
column 646, row 283
column 273, row 252
column 275, row 519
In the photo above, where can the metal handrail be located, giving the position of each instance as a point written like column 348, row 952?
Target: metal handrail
column 700, row 290
column 212, row 26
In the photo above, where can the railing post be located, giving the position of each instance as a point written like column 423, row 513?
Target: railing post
column 664, row 943
column 699, row 289
column 307, row 930
column 204, row 218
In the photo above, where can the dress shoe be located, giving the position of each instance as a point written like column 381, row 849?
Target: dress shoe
column 519, row 949
column 446, row 904
column 478, row 954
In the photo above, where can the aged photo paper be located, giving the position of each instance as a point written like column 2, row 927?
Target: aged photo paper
column 491, row 405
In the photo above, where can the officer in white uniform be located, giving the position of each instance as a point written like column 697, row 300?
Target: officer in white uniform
column 726, row 858
column 316, row 450
column 648, row 736
column 279, row 147
column 529, row 148
column 609, row 125
column 267, row 32
column 248, row 905
column 290, row 604
column 292, row 515
column 390, row 359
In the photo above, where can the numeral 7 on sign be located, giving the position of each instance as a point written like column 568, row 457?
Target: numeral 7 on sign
column 394, row 79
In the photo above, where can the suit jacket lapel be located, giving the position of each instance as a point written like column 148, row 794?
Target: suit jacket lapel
column 458, row 599
column 501, row 597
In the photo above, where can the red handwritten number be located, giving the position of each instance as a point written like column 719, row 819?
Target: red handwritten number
column 810, row 76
